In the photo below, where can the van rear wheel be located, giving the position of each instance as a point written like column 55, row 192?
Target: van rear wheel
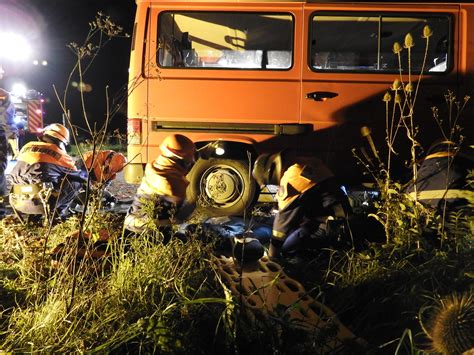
column 222, row 186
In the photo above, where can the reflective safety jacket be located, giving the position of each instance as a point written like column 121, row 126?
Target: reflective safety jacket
column 442, row 177
column 40, row 162
column 308, row 190
column 163, row 190
column 302, row 174
column 166, row 178
column 104, row 165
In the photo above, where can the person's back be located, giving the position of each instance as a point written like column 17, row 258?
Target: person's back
column 441, row 181
column 40, row 162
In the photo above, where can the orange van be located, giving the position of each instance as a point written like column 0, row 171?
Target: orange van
column 242, row 78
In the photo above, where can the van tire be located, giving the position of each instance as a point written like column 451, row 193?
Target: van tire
column 222, row 187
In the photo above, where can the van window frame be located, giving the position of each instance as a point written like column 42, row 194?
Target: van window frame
column 450, row 58
column 293, row 21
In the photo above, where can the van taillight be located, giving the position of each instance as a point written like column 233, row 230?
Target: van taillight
column 134, row 131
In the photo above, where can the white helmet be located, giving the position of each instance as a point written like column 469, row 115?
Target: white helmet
column 57, row 131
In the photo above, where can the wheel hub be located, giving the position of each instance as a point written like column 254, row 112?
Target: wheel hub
column 222, row 186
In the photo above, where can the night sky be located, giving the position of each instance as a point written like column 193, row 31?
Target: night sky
column 49, row 26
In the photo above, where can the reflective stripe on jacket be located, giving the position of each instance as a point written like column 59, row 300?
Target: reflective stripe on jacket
column 435, row 196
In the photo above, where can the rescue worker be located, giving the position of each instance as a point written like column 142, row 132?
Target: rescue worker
column 103, row 167
column 308, row 196
column 441, row 182
column 45, row 176
column 7, row 112
column 161, row 197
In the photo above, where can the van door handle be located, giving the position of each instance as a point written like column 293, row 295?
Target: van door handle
column 321, row 95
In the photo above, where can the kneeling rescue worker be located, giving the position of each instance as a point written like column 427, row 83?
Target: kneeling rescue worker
column 45, row 176
column 104, row 166
column 308, row 196
column 160, row 200
column 442, row 177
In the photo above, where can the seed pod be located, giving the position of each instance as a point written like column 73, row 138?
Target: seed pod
column 409, row 41
column 427, row 32
column 409, row 87
column 396, row 85
column 387, row 97
column 452, row 329
column 398, row 98
column 397, row 48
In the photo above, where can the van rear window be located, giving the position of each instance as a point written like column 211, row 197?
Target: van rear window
column 225, row 40
column 364, row 42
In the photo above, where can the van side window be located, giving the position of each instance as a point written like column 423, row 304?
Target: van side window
column 364, row 42
column 225, row 40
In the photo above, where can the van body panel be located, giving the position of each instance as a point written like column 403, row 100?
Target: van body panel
column 219, row 96
column 358, row 96
column 265, row 107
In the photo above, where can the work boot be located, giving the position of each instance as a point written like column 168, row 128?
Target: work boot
column 247, row 250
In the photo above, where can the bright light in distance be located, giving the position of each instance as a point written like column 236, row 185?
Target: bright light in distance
column 14, row 47
column 220, row 151
column 35, row 62
column 18, row 119
column 44, row 63
column 38, row 111
column 15, row 100
column 18, row 89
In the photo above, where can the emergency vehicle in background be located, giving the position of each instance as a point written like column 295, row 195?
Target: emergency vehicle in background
column 251, row 77
column 28, row 119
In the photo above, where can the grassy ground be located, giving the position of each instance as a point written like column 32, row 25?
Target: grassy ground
column 147, row 296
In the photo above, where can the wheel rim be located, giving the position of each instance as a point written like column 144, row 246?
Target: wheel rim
column 222, row 186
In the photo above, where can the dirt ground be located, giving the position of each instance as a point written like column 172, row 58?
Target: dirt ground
column 123, row 191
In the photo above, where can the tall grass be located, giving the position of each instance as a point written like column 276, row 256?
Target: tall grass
column 427, row 253
column 142, row 297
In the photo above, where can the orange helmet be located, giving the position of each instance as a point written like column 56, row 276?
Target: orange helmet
column 104, row 164
column 268, row 168
column 178, row 146
column 57, row 131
